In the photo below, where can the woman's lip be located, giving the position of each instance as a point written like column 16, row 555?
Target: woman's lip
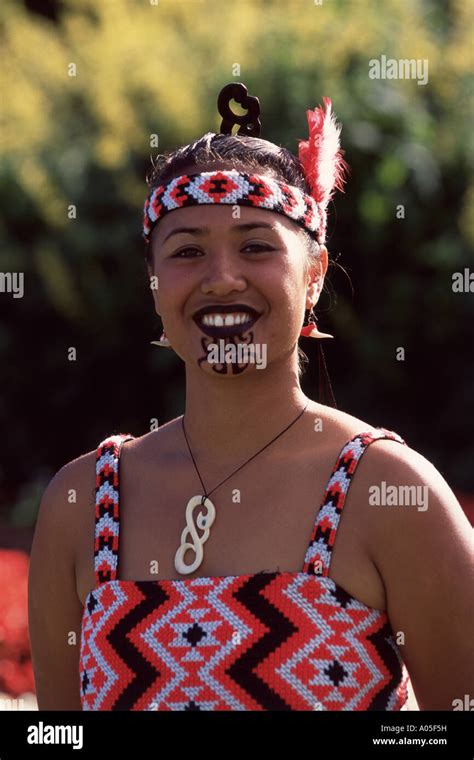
column 223, row 332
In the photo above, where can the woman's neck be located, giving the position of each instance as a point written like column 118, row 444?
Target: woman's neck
column 226, row 419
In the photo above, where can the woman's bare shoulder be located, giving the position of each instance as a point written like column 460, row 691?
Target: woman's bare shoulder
column 70, row 493
column 74, row 481
column 162, row 440
column 79, row 474
column 68, row 503
column 338, row 425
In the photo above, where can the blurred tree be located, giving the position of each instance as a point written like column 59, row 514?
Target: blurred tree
column 85, row 86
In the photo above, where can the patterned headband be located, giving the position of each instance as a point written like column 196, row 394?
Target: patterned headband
column 232, row 188
column 320, row 159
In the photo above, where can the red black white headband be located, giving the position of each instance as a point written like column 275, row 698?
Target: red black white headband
column 320, row 156
column 233, row 188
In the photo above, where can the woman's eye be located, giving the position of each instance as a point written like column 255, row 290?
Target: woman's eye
column 179, row 254
column 259, row 245
column 184, row 252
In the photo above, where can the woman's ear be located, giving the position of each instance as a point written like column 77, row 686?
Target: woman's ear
column 316, row 274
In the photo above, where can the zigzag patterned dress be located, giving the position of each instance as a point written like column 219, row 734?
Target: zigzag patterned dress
column 265, row 641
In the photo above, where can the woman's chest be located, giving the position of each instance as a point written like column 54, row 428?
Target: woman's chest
column 264, row 518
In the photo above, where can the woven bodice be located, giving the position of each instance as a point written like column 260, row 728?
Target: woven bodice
column 261, row 641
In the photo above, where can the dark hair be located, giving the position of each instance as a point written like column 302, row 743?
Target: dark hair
column 250, row 153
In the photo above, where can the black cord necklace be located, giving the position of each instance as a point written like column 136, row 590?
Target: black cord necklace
column 205, row 521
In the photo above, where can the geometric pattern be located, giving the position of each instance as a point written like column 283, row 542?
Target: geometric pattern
column 234, row 188
column 107, row 523
column 262, row 641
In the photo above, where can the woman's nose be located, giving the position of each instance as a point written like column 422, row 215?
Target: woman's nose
column 223, row 275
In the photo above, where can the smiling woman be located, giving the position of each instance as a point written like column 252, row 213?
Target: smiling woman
column 262, row 598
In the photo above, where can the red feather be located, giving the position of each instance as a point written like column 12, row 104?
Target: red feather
column 321, row 154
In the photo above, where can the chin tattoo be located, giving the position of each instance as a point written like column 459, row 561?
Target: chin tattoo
column 226, row 367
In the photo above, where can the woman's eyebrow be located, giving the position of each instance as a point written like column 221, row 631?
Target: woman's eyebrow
column 235, row 228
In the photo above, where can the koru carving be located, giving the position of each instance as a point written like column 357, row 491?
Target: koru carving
column 249, row 123
column 204, row 521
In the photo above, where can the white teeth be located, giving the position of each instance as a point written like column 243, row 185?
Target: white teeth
column 220, row 320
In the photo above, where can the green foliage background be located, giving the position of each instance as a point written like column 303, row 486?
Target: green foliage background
column 145, row 68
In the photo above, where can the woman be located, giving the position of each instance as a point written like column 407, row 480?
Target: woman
column 235, row 584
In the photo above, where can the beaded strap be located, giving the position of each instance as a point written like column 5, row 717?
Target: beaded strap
column 319, row 552
column 107, row 517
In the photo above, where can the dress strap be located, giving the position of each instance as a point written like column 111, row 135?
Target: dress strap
column 319, row 552
column 107, row 516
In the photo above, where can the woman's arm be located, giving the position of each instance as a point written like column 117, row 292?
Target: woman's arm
column 424, row 553
column 54, row 609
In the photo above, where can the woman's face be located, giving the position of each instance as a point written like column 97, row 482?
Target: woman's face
column 234, row 258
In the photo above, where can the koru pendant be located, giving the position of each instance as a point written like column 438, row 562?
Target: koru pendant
column 203, row 522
